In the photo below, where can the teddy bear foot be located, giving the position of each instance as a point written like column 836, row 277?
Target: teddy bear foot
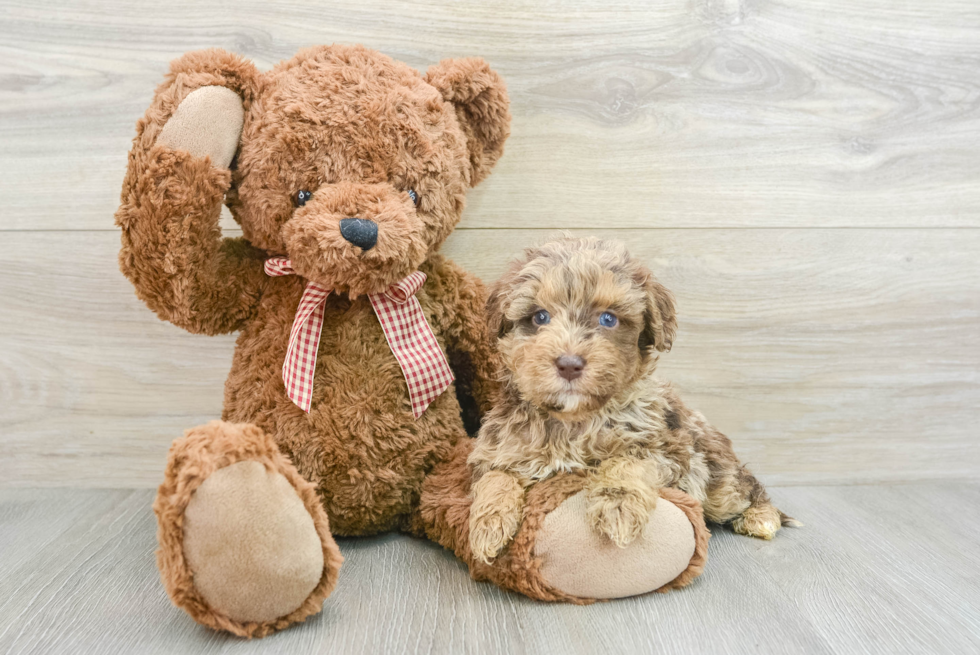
column 244, row 541
column 578, row 561
column 251, row 545
column 556, row 554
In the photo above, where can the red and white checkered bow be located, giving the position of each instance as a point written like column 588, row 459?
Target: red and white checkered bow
column 409, row 336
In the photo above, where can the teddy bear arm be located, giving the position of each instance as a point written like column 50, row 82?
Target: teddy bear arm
column 176, row 180
column 172, row 249
column 469, row 348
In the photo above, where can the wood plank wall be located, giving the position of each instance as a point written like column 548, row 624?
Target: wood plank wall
column 804, row 175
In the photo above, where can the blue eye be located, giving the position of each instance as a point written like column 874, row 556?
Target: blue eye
column 608, row 320
column 414, row 196
column 541, row 317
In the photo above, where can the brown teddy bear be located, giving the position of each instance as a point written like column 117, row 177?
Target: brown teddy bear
column 363, row 353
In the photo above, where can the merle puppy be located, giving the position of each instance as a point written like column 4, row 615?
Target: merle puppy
column 579, row 324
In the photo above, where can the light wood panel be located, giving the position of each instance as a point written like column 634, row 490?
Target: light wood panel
column 827, row 355
column 679, row 113
column 875, row 570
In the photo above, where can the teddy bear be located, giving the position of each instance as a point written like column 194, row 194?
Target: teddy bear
column 363, row 362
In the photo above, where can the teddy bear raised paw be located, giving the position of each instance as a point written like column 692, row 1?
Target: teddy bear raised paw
column 363, row 354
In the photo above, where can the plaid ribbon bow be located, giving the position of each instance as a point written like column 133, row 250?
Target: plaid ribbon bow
column 409, row 336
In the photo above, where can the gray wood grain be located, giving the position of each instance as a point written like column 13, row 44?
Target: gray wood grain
column 675, row 113
column 828, row 354
column 845, row 355
column 888, row 569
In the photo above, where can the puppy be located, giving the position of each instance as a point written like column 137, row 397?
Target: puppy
column 579, row 323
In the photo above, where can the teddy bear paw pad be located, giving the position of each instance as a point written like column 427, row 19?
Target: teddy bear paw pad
column 577, row 561
column 251, row 543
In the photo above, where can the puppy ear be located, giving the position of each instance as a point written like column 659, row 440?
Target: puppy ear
column 659, row 319
column 497, row 324
column 482, row 107
column 497, row 304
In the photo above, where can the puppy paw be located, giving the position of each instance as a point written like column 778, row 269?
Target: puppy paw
column 618, row 513
column 495, row 516
column 759, row 522
column 490, row 533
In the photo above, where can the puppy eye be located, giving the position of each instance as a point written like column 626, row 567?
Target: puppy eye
column 541, row 317
column 608, row 320
column 302, row 197
column 414, row 196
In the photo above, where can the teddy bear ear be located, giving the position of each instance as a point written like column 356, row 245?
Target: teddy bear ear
column 482, row 107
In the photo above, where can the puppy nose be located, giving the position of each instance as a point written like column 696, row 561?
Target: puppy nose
column 570, row 366
column 359, row 231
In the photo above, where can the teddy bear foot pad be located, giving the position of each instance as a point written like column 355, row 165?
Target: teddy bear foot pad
column 251, row 544
column 577, row 561
column 244, row 540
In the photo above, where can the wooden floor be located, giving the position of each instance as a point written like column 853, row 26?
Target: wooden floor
column 802, row 174
column 876, row 569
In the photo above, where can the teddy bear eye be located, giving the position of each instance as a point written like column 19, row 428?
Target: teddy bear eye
column 541, row 317
column 302, row 197
column 414, row 196
column 608, row 319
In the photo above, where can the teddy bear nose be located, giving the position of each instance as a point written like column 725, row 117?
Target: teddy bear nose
column 570, row 366
column 362, row 232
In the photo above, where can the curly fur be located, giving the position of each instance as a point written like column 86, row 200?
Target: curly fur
column 445, row 518
column 498, row 502
column 619, row 425
column 194, row 457
column 358, row 130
